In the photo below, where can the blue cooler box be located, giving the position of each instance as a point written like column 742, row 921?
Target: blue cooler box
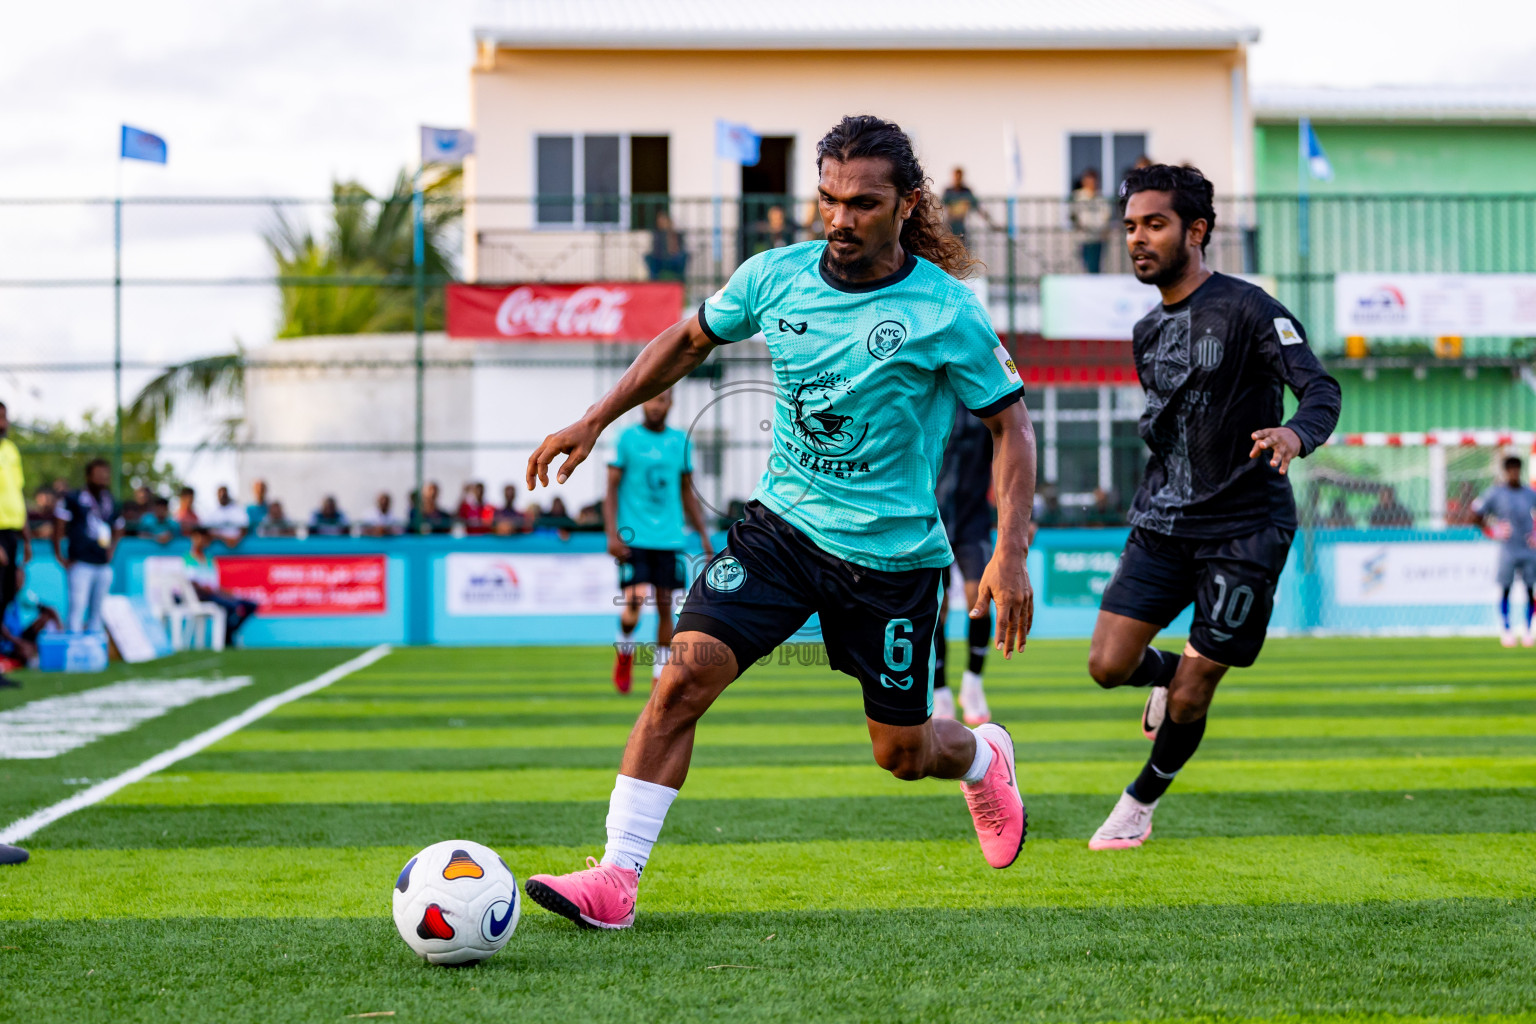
column 72, row 652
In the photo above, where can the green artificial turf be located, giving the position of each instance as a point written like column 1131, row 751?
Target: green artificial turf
column 1354, row 842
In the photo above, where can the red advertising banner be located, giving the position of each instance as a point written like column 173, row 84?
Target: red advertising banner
column 609, row 311
column 307, row 584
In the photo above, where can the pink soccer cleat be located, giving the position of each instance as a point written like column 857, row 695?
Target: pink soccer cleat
column 1127, row 827
column 996, row 806
column 602, row 896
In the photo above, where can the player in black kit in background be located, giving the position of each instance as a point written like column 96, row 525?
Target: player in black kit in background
column 965, row 477
column 1213, row 519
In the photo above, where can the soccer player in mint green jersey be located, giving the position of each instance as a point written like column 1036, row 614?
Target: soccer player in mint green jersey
column 874, row 343
column 650, row 489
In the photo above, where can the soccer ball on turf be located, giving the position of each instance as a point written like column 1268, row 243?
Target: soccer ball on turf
column 456, row 902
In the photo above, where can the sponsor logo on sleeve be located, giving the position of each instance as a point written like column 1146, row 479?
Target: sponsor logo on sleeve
column 1287, row 331
column 1006, row 362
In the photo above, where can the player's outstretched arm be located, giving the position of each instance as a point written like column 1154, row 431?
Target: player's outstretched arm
column 671, row 356
column 1005, row 582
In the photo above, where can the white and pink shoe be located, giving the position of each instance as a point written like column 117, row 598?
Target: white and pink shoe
column 996, row 806
column 602, row 896
column 1128, row 825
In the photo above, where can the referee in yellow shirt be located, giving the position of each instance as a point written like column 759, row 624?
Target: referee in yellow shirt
column 14, row 536
column 14, row 540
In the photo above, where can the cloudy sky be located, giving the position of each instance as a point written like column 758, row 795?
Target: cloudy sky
column 279, row 98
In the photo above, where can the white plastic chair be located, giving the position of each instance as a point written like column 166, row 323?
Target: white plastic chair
column 174, row 601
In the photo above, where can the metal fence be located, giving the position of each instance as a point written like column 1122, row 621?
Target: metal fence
column 98, row 298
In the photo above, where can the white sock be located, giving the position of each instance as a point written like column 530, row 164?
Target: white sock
column 970, row 679
column 635, row 813
column 982, row 762
column 623, row 641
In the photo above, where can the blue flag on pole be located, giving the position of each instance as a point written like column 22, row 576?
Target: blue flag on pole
column 1317, row 161
column 737, row 143
column 141, row 145
column 446, row 145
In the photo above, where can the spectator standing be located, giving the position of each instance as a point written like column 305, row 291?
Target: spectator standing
column 328, row 520
column 276, row 523
column 1090, row 213
column 15, row 534
column 428, row 516
column 228, row 521
column 773, row 232
column 157, row 524
column 1103, row 511
column 959, row 202
column 256, row 511
column 474, row 513
column 204, row 576
column 383, row 522
column 186, row 512
column 92, row 526
column 668, row 258
column 815, row 228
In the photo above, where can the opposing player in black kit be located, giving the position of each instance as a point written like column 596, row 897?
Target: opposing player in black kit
column 1213, row 519
column 965, row 477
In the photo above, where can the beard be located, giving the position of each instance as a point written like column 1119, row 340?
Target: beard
column 1165, row 274
column 848, row 267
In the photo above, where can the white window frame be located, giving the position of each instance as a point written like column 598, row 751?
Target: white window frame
column 1108, row 411
column 578, row 221
column 1106, row 155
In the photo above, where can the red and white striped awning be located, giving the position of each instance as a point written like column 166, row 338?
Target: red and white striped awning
column 1443, row 438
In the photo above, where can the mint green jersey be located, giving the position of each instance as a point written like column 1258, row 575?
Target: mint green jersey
column 650, row 502
column 868, row 378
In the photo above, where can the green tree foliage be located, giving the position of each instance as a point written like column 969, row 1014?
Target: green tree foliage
column 368, row 238
column 57, row 451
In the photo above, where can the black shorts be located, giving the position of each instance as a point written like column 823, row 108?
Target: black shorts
column 659, row 567
column 1231, row 582
column 877, row 625
column 972, row 557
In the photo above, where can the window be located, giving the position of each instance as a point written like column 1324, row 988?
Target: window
column 1088, row 440
column 587, row 180
column 1111, row 154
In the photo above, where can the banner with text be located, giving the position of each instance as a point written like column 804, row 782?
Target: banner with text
column 307, row 584
column 1408, row 573
column 1435, row 305
column 499, row 584
column 1076, row 578
column 1103, row 307
column 616, row 311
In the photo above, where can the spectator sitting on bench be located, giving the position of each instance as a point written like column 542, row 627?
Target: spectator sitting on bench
column 157, row 524
column 25, row 617
column 204, row 576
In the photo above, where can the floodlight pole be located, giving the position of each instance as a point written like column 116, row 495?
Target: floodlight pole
column 418, row 267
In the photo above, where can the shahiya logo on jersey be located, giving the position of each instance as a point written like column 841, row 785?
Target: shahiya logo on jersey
column 819, row 419
column 886, row 337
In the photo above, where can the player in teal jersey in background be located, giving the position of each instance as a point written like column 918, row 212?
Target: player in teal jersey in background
column 650, row 490
column 874, row 342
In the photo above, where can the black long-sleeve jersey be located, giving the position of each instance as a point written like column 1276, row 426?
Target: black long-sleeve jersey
column 1213, row 366
column 965, row 477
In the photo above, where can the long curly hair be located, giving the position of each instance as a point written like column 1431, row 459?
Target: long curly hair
column 925, row 233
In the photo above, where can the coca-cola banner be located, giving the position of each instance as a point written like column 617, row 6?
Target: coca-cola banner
column 609, row 311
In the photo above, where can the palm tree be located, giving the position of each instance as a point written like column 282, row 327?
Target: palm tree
column 358, row 277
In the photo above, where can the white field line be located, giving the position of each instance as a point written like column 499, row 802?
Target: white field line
column 21, row 829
